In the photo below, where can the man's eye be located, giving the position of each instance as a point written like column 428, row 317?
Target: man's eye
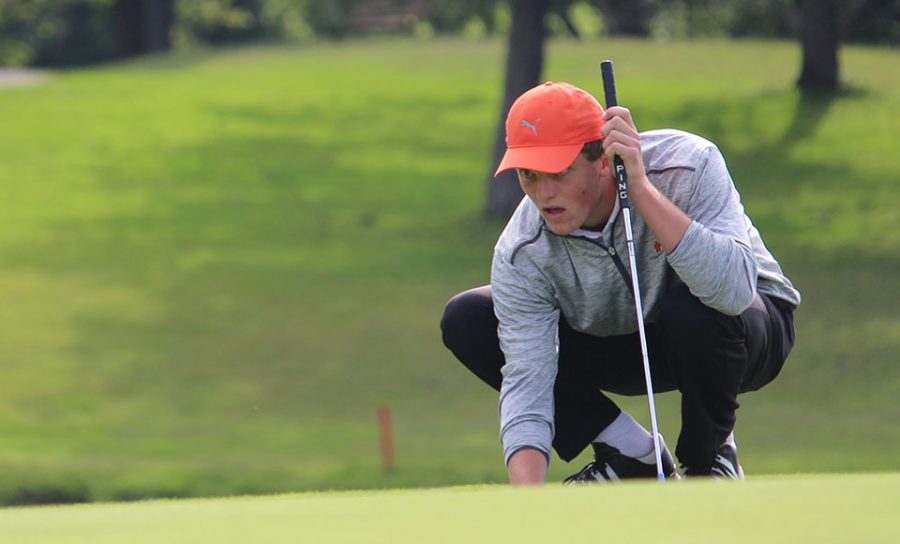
column 560, row 175
column 527, row 174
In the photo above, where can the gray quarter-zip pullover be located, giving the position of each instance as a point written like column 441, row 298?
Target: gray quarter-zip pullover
column 537, row 274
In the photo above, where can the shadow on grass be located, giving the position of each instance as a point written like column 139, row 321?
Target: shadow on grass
column 811, row 109
column 715, row 120
column 792, row 192
column 47, row 494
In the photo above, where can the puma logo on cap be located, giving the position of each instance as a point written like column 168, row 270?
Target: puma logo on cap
column 532, row 127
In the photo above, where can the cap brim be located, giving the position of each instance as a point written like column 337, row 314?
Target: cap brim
column 549, row 159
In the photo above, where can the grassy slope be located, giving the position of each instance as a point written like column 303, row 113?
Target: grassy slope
column 214, row 267
column 824, row 509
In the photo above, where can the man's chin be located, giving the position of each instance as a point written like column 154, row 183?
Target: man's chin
column 559, row 229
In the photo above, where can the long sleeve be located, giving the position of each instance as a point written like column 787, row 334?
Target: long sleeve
column 528, row 321
column 715, row 258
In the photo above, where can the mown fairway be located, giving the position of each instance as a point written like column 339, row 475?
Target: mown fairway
column 213, row 267
column 820, row 509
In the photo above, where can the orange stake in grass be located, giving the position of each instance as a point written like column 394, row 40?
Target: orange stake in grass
column 385, row 437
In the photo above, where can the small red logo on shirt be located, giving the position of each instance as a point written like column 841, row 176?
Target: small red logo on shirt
column 657, row 247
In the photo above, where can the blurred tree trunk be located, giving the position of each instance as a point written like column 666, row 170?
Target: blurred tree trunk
column 142, row 26
column 128, row 33
column 158, row 15
column 524, row 64
column 625, row 17
column 819, row 36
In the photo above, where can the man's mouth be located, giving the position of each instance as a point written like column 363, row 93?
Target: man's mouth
column 553, row 212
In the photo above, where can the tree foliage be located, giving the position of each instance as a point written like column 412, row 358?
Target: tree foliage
column 74, row 32
column 55, row 32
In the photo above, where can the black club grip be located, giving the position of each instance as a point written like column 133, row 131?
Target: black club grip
column 609, row 89
column 609, row 83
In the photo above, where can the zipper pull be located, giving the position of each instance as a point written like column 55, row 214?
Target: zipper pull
column 612, row 251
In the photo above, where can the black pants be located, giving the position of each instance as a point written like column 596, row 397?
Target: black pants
column 708, row 356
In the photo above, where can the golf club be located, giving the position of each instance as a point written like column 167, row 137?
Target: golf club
column 609, row 89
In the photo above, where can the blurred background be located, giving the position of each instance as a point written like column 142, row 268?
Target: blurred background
column 228, row 228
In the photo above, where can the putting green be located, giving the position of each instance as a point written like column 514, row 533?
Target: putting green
column 809, row 508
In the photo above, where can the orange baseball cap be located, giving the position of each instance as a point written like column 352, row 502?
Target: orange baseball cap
column 547, row 127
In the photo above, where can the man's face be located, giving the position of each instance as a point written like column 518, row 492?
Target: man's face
column 575, row 198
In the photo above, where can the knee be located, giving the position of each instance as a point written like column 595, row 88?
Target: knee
column 452, row 320
column 704, row 348
column 463, row 312
column 683, row 319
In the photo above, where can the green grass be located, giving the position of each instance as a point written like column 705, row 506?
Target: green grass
column 213, row 267
column 822, row 509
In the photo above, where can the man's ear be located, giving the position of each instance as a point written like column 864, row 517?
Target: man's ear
column 604, row 166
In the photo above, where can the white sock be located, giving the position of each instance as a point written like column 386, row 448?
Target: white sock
column 730, row 440
column 626, row 435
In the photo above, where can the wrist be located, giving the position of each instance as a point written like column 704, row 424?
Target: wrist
column 639, row 186
column 527, row 466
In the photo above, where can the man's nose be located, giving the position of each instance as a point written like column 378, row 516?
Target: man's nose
column 545, row 187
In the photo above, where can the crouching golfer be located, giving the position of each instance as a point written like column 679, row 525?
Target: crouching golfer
column 556, row 327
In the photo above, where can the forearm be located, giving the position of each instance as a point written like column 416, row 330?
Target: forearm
column 720, row 270
column 663, row 217
column 717, row 269
column 527, row 466
column 621, row 139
